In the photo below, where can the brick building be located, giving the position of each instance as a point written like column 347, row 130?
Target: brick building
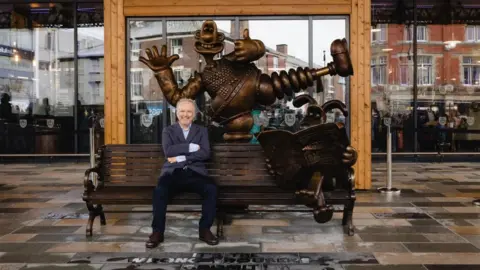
column 448, row 64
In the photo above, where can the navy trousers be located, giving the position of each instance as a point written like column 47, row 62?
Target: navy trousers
column 184, row 180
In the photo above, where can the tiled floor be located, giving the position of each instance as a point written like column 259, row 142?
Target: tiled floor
column 430, row 225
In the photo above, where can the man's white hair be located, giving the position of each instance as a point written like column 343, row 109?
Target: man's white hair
column 187, row 100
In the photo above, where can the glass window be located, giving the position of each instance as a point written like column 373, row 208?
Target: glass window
column 37, row 86
column 471, row 70
column 424, row 70
column 422, row 34
column 146, row 98
column 391, row 92
column 379, row 33
column 286, row 43
column 333, row 87
column 472, row 33
column 90, row 55
column 448, row 78
column 286, row 48
column 147, row 105
column 379, row 70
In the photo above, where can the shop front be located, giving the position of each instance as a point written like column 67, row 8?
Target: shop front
column 51, row 76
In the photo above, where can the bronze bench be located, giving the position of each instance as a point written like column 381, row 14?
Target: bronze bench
column 127, row 174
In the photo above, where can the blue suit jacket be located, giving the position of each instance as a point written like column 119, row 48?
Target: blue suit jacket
column 174, row 144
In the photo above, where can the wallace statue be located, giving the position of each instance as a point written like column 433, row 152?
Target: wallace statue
column 233, row 82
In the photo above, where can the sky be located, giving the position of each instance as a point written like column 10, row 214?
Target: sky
column 294, row 33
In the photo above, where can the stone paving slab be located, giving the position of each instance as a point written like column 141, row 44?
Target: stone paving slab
column 430, row 225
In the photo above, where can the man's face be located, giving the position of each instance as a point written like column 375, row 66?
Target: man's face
column 185, row 113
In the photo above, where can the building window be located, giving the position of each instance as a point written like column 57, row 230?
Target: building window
column 176, row 45
column 275, row 62
column 135, row 51
column 471, row 71
column 422, row 34
column 137, row 82
column 95, row 64
column 379, row 70
column 379, row 34
column 424, row 71
column 472, row 33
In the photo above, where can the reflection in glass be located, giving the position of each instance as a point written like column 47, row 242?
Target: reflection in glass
column 286, row 43
column 334, row 87
column 391, row 88
column 37, row 79
column 146, row 98
column 90, row 52
column 287, row 47
column 448, row 68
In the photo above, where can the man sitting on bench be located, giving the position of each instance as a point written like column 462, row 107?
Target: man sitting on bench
column 186, row 147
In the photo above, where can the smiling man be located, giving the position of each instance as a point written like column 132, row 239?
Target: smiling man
column 186, row 147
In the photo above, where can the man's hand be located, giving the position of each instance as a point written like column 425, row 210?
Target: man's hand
column 193, row 147
column 172, row 159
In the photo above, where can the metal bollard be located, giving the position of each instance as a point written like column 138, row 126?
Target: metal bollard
column 388, row 188
column 92, row 152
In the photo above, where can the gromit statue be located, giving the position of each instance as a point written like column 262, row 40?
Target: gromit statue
column 233, row 82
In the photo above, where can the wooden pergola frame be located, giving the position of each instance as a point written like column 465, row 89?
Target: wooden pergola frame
column 358, row 11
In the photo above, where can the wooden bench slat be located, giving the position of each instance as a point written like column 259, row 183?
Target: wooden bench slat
column 252, row 161
column 210, row 166
column 241, row 179
column 211, row 171
column 227, row 189
column 216, row 147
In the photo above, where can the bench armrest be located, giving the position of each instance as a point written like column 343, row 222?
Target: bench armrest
column 87, row 183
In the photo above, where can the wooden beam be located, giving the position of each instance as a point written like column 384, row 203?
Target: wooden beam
column 236, row 10
column 121, row 75
column 115, row 102
column 107, row 7
column 360, row 90
column 254, row 3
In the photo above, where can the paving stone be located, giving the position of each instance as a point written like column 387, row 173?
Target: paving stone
column 381, row 237
column 441, row 247
column 27, row 257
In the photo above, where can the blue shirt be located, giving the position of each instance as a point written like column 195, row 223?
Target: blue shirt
column 191, row 147
column 186, row 131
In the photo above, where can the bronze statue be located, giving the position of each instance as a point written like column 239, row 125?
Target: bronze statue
column 233, row 82
column 294, row 158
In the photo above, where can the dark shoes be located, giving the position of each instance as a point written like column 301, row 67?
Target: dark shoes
column 207, row 236
column 204, row 235
column 154, row 239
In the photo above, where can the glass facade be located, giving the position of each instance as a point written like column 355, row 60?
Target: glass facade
column 290, row 42
column 51, row 76
column 443, row 115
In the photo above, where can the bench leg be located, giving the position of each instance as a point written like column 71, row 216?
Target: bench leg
column 93, row 212
column 347, row 220
column 220, row 222
column 103, row 221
